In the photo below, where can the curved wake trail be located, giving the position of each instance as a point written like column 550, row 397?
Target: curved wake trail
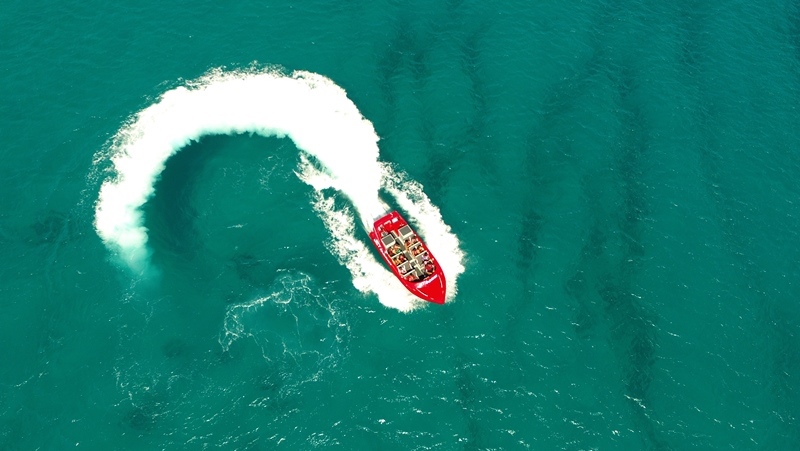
column 318, row 117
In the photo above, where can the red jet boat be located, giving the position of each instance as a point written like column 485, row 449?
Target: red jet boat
column 408, row 257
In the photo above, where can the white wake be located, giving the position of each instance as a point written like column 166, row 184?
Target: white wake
column 318, row 117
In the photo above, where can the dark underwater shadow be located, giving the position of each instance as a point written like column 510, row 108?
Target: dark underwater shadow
column 142, row 416
column 53, row 227
column 613, row 252
column 469, row 403
column 407, row 56
column 793, row 15
column 49, row 228
column 774, row 315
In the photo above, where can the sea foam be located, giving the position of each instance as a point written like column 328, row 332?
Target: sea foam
column 319, row 118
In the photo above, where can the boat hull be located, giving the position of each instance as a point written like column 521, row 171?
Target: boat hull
column 409, row 258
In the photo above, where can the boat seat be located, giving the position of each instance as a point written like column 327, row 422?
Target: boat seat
column 388, row 240
column 405, row 231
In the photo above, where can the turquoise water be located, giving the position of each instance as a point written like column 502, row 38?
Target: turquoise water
column 611, row 187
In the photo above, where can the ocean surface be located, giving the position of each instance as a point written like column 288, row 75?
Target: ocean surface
column 612, row 189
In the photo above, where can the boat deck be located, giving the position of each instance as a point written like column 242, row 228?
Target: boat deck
column 412, row 260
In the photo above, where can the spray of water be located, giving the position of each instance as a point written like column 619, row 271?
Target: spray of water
column 323, row 123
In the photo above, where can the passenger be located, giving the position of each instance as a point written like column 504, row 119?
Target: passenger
column 429, row 268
